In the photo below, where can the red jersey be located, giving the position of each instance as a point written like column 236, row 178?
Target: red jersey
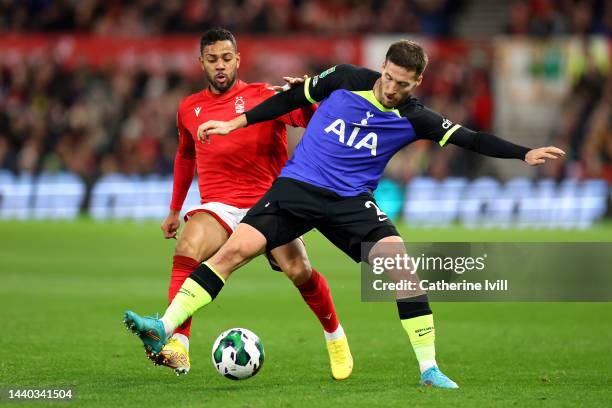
column 238, row 168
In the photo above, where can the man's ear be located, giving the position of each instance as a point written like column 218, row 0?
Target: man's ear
column 237, row 60
column 201, row 61
column 419, row 80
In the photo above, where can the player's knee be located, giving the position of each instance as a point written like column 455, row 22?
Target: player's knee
column 231, row 254
column 388, row 247
column 187, row 247
column 297, row 269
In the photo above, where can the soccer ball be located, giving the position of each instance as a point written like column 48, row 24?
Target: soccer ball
column 237, row 354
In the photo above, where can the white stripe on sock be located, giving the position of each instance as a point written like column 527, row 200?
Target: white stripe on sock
column 338, row 333
column 426, row 365
column 167, row 326
column 184, row 340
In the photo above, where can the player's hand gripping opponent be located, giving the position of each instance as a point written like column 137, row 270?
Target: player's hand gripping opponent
column 539, row 156
column 217, row 127
column 291, row 82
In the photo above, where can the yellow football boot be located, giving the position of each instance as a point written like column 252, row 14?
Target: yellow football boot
column 174, row 355
column 340, row 358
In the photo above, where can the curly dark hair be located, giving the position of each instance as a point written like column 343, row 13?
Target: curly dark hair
column 216, row 34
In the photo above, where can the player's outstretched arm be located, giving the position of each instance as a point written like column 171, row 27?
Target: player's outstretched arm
column 432, row 126
column 493, row 146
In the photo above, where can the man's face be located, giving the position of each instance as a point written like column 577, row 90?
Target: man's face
column 396, row 83
column 220, row 63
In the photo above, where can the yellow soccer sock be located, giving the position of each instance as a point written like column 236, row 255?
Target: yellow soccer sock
column 422, row 334
column 417, row 320
column 198, row 290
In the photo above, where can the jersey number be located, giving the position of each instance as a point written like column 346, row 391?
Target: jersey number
column 379, row 213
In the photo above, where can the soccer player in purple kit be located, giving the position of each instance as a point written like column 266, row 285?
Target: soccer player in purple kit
column 363, row 119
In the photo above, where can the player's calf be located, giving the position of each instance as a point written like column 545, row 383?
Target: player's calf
column 317, row 295
column 298, row 270
column 414, row 312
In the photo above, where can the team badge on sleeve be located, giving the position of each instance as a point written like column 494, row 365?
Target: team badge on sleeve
column 448, row 128
column 322, row 75
column 327, row 72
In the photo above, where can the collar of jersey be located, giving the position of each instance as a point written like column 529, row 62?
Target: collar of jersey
column 369, row 96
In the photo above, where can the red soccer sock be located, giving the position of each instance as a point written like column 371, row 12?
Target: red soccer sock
column 317, row 295
column 182, row 266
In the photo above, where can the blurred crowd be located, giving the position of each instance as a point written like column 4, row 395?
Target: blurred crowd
column 560, row 17
column 97, row 121
column 431, row 17
column 88, row 122
column 117, row 119
column 585, row 128
column 150, row 17
column 93, row 122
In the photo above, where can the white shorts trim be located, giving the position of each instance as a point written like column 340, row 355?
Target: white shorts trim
column 228, row 216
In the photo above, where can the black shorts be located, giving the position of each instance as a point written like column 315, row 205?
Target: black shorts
column 291, row 208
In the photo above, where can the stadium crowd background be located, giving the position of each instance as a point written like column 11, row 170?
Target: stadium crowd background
column 99, row 120
column 431, row 17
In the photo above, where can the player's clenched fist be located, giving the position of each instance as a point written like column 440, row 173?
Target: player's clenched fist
column 539, row 156
column 171, row 225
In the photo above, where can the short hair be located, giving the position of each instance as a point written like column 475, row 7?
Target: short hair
column 216, row 34
column 408, row 54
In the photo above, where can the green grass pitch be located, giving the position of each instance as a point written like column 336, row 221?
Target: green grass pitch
column 64, row 287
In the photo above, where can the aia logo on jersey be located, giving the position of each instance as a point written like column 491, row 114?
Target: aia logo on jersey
column 239, row 104
column 369, row 141
column 446, row 124
column 197, row 111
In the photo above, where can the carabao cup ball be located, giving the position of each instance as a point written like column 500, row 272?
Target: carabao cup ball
column 238, row 354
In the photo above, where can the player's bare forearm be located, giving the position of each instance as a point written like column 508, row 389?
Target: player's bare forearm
column 237, row 123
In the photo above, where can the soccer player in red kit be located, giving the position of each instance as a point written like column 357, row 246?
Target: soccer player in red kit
column 233, row 174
